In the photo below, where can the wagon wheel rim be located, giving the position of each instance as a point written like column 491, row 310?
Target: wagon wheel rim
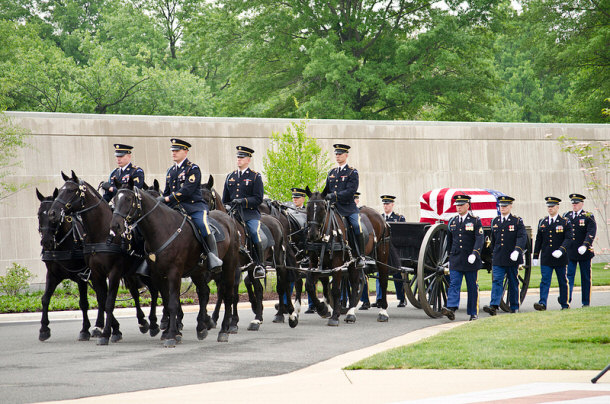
column 432, row 283
column 411, row 289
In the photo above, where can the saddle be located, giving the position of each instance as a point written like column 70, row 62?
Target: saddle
column 297, row 219
column 219, row 234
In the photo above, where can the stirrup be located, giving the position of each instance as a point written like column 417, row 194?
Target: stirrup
column 360, row 262
column 259, row 272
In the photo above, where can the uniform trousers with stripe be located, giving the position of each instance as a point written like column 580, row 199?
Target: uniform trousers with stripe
column 472, row 285
column 585, row 279
column 545, row 284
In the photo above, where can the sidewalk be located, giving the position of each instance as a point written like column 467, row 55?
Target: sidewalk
column 326, row 382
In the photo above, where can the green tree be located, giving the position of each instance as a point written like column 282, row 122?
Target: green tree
column 12, row 139
column 294, row 160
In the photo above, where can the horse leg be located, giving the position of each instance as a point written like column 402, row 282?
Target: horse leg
column 383, row 305
column 111, row 323
column 233, row 327
column 282, row 288
column 216, row 312
column 310, row 286
column 83, row 303
column 173, row 305
column 101, row 292
column 228, row 280
column 298, row 290
column 203, row 293
column 354, row 280
column 336, row 292
column 257, row 304
column 51, row 284
column 250, row 289
column 131, row 283
column 154, row 295
column 293, row 314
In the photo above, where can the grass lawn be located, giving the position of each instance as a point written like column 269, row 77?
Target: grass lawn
column 575, row 339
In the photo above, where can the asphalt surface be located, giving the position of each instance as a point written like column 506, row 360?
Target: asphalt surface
column 64, row 368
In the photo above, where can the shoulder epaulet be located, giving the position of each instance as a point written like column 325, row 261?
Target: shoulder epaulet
column 451, row 220
column 255, row 172
column 588, row 214
column 168, row 170
column 540, row 221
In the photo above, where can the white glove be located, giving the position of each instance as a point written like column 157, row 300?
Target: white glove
column 514, row 255
column 472, row 258
column 536, row 262
column 557, row 253
column 582, row 249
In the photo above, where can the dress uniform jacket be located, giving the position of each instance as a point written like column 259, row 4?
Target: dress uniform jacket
column 343, row 184
column 584, row 229
column 123, row 177
column 183, row 186
column 507, row 237
column 394, row 217
column 551, row 237
column 464, row 239
column 248, row 186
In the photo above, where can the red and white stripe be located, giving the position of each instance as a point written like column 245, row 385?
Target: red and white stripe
column 437, row 205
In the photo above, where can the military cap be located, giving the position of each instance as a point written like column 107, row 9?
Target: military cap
column 298, row 192
column 505, row 200
column 461, row 199
column 341, row 148
column 577, row 198
column 356, row 195
column 122, row 149
column 388, row 198
column 243, row 151
column 179, row 144
column 552, row 200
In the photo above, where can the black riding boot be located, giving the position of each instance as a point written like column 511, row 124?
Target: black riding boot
column 259, row 269
column 214, row 263
column 360, row 244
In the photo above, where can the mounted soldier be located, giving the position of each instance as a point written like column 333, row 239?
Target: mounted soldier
column 244, row 189
column 341, row 186
column 123, row 172
column 183, row 192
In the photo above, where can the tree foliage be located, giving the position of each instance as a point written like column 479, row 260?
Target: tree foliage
column 294, row 160
column 12, row 138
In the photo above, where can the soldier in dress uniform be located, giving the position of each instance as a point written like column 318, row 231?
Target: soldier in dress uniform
column 183, row 192
column 244, row 188
column 341, row 185
column 552, row 242
column 464, row 243
column 390, row 216
column 298, row 198
column 123, row 172
column 581, row 249
column 508, row 243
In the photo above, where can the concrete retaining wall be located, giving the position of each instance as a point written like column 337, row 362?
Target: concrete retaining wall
column 403, row 158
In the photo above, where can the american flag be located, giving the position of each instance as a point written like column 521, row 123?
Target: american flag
column 437, row 205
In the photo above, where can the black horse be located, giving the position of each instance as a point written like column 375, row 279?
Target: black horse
column 105, row 256
column 173, row 252
column 64, row 259
column 329, row 254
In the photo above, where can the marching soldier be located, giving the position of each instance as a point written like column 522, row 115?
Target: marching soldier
column 183, row 191
column 581, row 249
column 552, row 242
column 341, row 185
column 464, row 243
column 244, row 187
column 123, row 172
column 508, row 243
column 390, row 216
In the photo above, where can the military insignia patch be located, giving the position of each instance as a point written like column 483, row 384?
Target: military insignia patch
column 480, row 230
column 231, row 180
column 192, row 178
column 511, row 227
column 581, row 222
column 247, row 181
column 495, row 226
column 136, row 179
column 559, row 229
column 469, row 227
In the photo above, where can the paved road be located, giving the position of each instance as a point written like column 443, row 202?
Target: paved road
column 63, row 368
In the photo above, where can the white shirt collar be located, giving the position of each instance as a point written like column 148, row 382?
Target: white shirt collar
column 553, row 218
column 462, row 218
column 178, row 165
column 577, row 213
column 342, row 167
column 506, row 217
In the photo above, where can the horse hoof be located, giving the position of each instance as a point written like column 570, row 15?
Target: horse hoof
column 350, row 319
column 116, row 337
column 102, row 341
column 279, row 318
column 293, row 323
column 84, row 336
column 144, row 327
column 154, row 330
column 254, row 326
column 44, row 335
column 178, row 337
column 202, row 334
column 180, row 326
column 164, row 324
column 223, row 337
column 210, row 323
column 382, row 318
column 233, row 329
column 169, row 343
column 333, row 322
column 96, row 333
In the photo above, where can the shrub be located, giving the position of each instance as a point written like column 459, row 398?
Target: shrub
column 15, row 280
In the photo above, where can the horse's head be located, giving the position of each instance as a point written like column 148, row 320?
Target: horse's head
column 70, row 199
column 46, row 230
column 316, row 214
column 127, row 207
column 155, row 190
column 208, row 193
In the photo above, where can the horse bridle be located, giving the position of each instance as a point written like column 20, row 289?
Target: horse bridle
column 79, row 193
column 55, row 229
column 327, row 207
column 136, row 207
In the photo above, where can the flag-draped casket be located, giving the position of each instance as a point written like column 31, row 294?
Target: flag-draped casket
column 437, row 205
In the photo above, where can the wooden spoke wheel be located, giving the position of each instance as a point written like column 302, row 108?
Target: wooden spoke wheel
column 523, row 275
column 432, row 283
column 410, row 285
